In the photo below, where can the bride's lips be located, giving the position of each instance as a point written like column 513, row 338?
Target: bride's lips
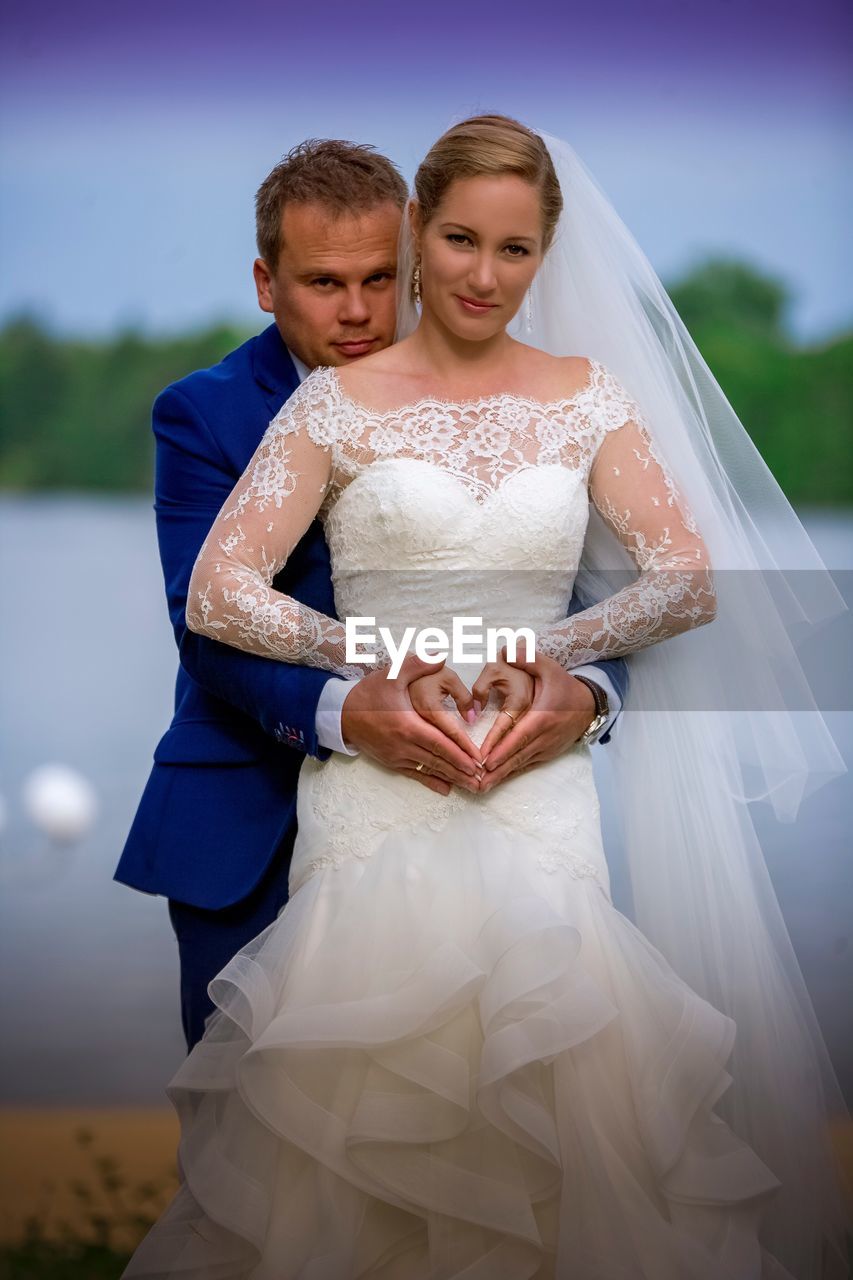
column 473, row 307
column 359, row 348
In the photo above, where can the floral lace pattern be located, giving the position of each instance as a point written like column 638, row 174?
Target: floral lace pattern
column 355, row 804
column 551, row 825
column 323, row 440
column 357, row 810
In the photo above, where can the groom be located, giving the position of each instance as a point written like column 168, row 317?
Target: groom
column 216, row 823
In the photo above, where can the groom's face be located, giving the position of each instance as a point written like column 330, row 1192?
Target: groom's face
column 332, row 291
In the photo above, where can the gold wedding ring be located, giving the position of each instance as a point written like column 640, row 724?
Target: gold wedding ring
column 506, row 713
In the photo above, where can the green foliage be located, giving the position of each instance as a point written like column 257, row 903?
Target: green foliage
column 77, row 414
column 722, row 293
column 796, row 403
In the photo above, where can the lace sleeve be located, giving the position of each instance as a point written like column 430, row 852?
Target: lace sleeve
column 631, row 487
column 231, row 597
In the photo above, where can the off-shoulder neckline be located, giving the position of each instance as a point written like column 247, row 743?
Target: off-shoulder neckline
column 476, row 402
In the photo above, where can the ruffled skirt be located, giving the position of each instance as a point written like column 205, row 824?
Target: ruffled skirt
column 451, row 1056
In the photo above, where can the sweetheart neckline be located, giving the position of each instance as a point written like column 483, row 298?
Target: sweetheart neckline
column 477, row 402
column 492, row 491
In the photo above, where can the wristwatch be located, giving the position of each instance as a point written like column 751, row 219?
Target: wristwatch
column 602, row 710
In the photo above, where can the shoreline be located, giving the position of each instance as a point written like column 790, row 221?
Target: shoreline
column 49, row 1150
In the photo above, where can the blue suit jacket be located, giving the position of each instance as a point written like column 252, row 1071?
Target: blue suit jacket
column 222, row 792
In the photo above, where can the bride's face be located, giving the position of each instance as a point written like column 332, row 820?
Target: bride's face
column 479, row 253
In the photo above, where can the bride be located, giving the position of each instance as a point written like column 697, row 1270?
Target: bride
column 451, row 1055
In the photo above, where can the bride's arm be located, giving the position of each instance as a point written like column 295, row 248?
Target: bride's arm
column 231, row 597
column 632, row 489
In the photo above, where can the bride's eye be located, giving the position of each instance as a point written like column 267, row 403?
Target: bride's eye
column 456, row 237
column 517, row 250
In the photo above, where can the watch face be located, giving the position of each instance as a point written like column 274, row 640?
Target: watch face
column 594, row 726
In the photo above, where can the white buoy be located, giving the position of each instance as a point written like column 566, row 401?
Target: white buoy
column 60, row 801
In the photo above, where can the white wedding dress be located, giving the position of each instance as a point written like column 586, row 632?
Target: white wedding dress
column 450, row 1055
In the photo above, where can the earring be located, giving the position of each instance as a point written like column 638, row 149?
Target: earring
column 416, row 283
column 529, row 311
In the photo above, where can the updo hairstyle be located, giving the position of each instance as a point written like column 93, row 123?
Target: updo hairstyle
column 488, row 146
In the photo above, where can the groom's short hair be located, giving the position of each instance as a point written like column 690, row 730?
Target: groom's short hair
column 345, row 177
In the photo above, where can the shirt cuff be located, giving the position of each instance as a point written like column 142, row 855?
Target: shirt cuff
column 599, row 677
column 327, row 721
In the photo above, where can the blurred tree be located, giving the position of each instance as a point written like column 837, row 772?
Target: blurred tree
column 76, row 414
column 726, row 293
column 796, row 402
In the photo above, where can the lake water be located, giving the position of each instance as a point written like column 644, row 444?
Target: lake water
column 89, row 987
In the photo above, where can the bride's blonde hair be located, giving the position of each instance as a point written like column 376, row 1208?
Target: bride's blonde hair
column 485, row 146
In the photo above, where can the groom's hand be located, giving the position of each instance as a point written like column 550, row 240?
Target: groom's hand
column 562, row 709
column 379, row 719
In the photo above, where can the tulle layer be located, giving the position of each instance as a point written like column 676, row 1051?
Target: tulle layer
column 442, row 1061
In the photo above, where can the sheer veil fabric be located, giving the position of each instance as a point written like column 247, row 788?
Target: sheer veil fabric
column 716, row 719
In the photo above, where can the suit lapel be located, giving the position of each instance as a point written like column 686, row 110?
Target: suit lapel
column 273, row 369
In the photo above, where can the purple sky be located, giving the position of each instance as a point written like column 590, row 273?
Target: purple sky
column 133, row 135
column 808, row 41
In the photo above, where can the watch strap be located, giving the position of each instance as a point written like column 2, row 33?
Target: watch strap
column 602, row 707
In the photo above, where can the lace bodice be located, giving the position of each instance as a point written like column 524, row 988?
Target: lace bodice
column 436, row 509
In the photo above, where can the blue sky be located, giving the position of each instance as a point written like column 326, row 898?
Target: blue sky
column 133, row 137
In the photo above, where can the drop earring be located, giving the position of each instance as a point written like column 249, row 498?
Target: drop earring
column 529, row 316
column 416, row 283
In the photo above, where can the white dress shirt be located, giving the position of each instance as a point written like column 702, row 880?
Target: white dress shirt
column 330, row 705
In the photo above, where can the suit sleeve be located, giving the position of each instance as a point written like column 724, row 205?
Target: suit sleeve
column 192, row 480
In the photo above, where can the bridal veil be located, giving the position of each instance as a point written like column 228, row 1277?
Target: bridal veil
column 716, row 719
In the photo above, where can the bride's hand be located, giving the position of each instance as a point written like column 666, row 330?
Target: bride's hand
column 378, row 719
column 514, row 687
column 428, row 694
